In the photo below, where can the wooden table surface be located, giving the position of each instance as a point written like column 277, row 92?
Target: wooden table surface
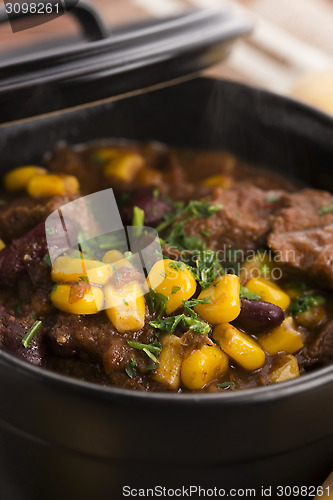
column 292, row 38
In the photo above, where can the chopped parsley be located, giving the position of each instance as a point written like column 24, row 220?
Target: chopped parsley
column 206, row 268
column 298, row 286
column 325, row 209
column 125, row 302
column 149, row 349
column 206, row 232
column 272, row 198
column 225, row 385
column 176, row 235
column 156, row 302
column 305, row 303
column 175, row 289
column 95, row 158
column 191, row 322
column 131, row 368
column 245, row 293
column 31, row 333
column 47, row 260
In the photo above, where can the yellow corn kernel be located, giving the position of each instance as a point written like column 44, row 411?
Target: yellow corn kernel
column 90, row 303
column 283, row 338
column 113, row 256
column 240, row 347
column 106, row 154
column 224, row 303
column 18, row 178
column 218, row 180
column 269, row 292
column 312, row 318
column 69, row 269
column 52, row 185
column 2, row 245
column 172, row 279
column 258, row 267
column 125, row 307
column 203, row 366
column 170, row 362
column 125, row 166
column 286, row 369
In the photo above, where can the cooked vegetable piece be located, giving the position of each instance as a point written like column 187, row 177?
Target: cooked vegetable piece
column 269, row 292
column 52, row 185
column 286, row 368
column 18, row 178
column 124, row 166
column 170, row 361
column 240, row 347
column 125, row 307
column 218, row 180
column 257, row 315
column 87, row 299
column 224, row 303
column 312, row 318
column 305, row 303
column 284, row 338
column 168, row 274
column 68, row 269
column 202, row 366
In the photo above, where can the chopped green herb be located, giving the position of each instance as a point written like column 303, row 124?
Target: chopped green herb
column 325, row 209
column 177, row 236
column 47, row 260
column 164, row 274
column 207, row 268
column 191, row 322
column 125, row 302
column 206, row 232
column 194, row 302
column 298, row 286
column 152, row 366
column 84, row 278
column 138, row 217
column 95, row 158
column 31, row 333
column 225, row 385
column 149, row 349
column 272, row 198
column 131, row 368
column 245, row 293
column 156, row 193
column 306, row 303
column 34, row 316
column 156, row 302
column 39, row 211
column 264, row 269
column 175, row 289
column 54, row 287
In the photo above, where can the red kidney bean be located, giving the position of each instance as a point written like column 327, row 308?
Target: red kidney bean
column 154, row 207
column 257, row 315
column 31, row 246
column 11, row 336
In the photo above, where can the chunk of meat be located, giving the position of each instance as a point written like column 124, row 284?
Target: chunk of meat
column 12, row 333
column 154, row 207
column 320, row 351
column 302, row 233
column 21, row 214
column 244, row 220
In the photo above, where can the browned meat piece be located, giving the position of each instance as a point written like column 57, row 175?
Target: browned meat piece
column 320, row 351
column 303, row 233
column 95, row 338
column 87, row 172
column 23, row 213
column 243, row 222
column 12, row 332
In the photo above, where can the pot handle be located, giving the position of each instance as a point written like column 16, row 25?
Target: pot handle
column 89, row 18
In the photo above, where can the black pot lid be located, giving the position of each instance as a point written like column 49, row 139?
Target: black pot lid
column 127, row 60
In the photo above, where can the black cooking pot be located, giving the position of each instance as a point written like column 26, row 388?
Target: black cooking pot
column 66, row 439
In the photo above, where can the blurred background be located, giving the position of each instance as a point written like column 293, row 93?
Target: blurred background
column 290, row 51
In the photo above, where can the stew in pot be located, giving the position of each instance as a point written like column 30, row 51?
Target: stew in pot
column 239, row 297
